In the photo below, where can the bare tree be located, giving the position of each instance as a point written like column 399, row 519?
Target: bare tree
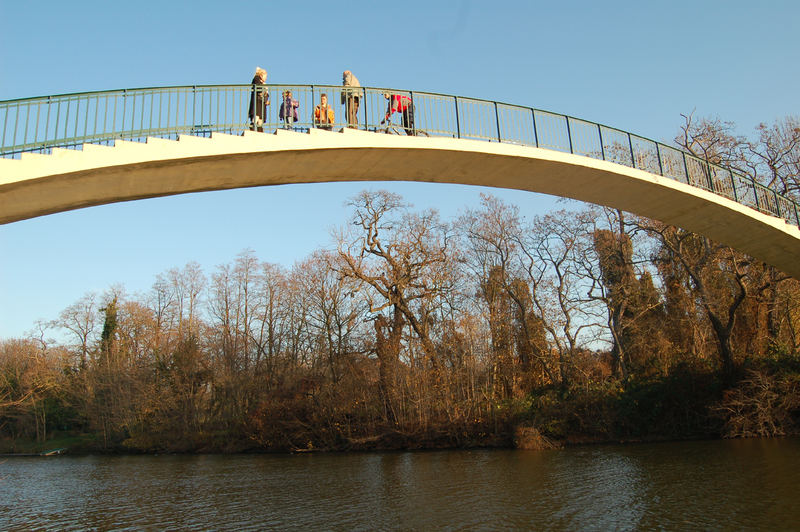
column 557, row 251
column 776, row 155
column 404, row 263
column 493, row 235
column 80, row 320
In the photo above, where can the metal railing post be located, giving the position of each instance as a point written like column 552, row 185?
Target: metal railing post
column 658, row 155
column 685, row 167
column 413, row 113
column 535, row 132
column 105, row 115
column 16, row 124
column 133, row 115
column 86, row 119
column 458, row 124
column 36, row 131
column 755, row 193
column 27, row 120
column 366, row 119
column 194, row 106
column 633, row 159
column 66, row 118
column 124, row 106
column 58, row 119
column 569, row 135
column 5, row 125
column 150, row 119
column 602, row 148
column 733, row 186
column 497, row 122
column 96, row 107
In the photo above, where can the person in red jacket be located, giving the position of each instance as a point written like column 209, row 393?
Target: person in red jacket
column 399, row 103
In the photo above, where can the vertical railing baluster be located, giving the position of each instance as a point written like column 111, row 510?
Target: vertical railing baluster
column 86, row 119
column 105, row 117
column 124, row 108
column 47, row 121
column 755, row 193
column 38, row 116
column 96, row 110
column 77, row 116
column 497, row 122
column 185, row 109
column 630, row 145
column 569, row 135
column 194, row 105
column 58, row 119
column 686, row 168
column 178, row 110
column 27, row 121
column 458, row 123
column 150, row 120
column 169, row 106
column 602, row 147
column 134, row 130
column 5, row 125
column 66, row 118
column 660, row 166
column 16, row 125
column 227, row 92
column 535, row 132
column 201, row 120
column 414, row 110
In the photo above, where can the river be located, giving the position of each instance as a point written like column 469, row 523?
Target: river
column 708, row 485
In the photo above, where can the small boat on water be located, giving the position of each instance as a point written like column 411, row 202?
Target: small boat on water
column 53, row 452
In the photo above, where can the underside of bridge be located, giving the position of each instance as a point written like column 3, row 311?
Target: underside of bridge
column 37, row 185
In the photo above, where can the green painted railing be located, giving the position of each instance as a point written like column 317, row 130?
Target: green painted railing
column 69, row 120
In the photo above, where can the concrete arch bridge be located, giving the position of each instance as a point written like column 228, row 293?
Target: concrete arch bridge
column 71, row 151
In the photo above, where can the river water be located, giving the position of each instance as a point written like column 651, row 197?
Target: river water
column 709, row 485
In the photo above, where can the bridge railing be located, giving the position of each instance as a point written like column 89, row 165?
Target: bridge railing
column 69, row 120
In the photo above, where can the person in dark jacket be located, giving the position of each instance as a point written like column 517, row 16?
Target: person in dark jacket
column 259, row 100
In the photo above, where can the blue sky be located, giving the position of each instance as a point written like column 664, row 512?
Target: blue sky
column 632, row 65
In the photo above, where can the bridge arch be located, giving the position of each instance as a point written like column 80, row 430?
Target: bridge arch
column 33, row 184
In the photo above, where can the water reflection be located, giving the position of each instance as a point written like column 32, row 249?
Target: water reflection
column 696, row 485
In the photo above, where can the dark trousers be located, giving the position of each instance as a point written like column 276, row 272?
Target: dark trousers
column 408, row 120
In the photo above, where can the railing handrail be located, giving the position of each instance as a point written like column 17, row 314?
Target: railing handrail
column 755, row 195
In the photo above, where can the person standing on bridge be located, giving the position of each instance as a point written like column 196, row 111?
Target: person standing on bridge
column 259, row 100
column 351, row 97
column 323, row 113
column 399, row 103
column 288, row 110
